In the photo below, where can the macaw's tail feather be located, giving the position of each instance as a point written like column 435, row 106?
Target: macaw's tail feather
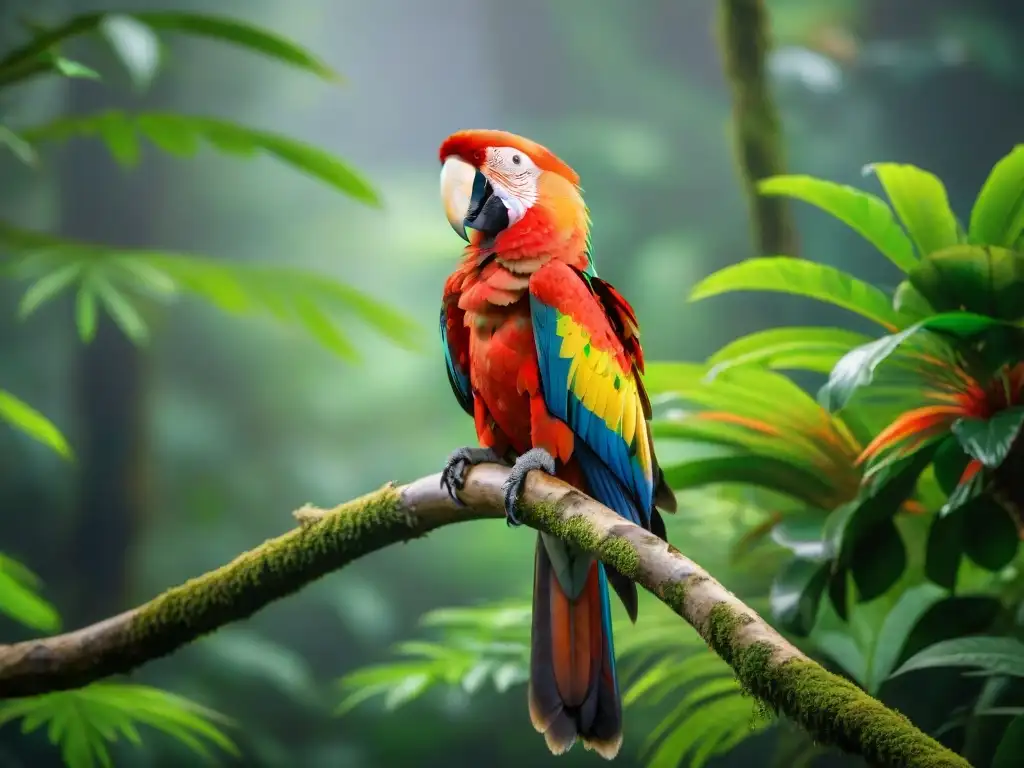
column 573, row 688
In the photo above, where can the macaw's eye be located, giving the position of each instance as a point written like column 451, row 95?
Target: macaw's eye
column 516, row 159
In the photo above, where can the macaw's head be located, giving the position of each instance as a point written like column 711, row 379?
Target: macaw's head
column 508, row 193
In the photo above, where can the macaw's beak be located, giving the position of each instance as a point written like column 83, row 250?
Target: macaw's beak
column 469, row 201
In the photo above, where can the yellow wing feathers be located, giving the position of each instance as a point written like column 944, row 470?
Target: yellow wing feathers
column 599, row 383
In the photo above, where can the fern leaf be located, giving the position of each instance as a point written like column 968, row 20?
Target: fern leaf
column 84, row 722
column 184, row 134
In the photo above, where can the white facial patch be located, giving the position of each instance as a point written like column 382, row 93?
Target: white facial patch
column 513, row 175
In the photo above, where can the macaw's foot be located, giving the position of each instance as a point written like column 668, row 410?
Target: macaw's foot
column 453, row 476
column 536, row 458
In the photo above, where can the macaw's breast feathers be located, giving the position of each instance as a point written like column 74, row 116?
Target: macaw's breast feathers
column 591, row 382
column 470, row 145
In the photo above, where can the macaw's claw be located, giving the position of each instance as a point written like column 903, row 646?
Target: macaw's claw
column 536, row 458
column 453, row 476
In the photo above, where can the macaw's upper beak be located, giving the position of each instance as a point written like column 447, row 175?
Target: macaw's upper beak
column 469, row 201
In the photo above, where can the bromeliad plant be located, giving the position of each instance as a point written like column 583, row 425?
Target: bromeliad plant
column 949, row 372
column 946, row 385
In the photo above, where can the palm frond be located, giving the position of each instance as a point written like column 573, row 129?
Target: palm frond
column 39, row 55
column 116, row 280
column 183, row 135
column 491, row 643
column 477, row 645
column 83, row 723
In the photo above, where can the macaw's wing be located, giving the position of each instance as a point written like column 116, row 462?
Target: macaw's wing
column 627, row 329
column 455, row 340
column 589, row 371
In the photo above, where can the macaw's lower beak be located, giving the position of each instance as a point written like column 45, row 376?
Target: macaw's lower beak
column 469, row 201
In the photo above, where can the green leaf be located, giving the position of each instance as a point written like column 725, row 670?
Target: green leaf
column 991, row 655
column 998, row 214
column 842, row 648
column 839, row 593
column 857, row 368
column 85, row 313
column 964, row 495
column 807, row 348
column 74, row 69
column 26, row 419
column 710, row 728
column 48, row 287
column 877, row 561
column 908, row 301
column 240, row 34
column 290, row 295
column 950, row 462
column 948, row 619
column 876, row 505
column 119, row 135
column 18, row 146
column 20, row 63
column 944, row 550
column 896, row 627
column 921, row 203
column 990, row 440
column 84, row 722
column 1011, row 746
column 19, row 598
column 749, row 391
column 121, row 311
column 764, row 472
column 990, row 535
column 865, row 213
column 135, row 44
column 252, row 288
column 796, row 594
column 981, row 279
column 181, row 134
column 803, row 278
column 802, row 535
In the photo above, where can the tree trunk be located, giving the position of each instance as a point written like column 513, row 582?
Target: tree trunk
column 103, row 203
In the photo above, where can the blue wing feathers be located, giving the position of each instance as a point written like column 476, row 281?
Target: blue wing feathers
column 604, row 486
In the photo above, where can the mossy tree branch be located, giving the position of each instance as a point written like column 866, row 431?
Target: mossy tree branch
column 831, row 709
column 743, row 29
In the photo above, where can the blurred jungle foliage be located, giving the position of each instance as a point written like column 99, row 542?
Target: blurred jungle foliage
column 194, row 433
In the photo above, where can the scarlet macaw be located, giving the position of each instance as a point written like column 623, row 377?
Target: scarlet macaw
column 546, row 358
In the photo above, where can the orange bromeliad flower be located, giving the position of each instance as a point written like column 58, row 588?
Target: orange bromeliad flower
column 954, row 394
column 829, row 446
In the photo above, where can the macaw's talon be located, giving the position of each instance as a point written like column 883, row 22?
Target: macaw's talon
column 536, row 458
column 453, row 476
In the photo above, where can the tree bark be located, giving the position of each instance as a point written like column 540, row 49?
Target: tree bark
column 833, row 710
column 756, row 126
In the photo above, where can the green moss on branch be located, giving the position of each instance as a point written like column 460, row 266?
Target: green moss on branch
column 235, row 591
column 827, row 706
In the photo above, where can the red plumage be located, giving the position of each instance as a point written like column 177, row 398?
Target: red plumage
column 490, row 336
